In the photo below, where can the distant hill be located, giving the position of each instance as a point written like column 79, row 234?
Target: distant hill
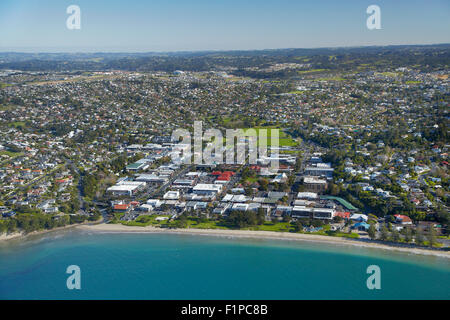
column 431, row 57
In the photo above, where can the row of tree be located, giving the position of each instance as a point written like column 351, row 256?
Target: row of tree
column 408, row 235
column 29, row 222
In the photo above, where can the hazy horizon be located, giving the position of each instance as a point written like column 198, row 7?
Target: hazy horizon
column 43, row 51
column 200, row 25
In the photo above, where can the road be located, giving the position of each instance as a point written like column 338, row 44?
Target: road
column 151, row 192
column 80, row 183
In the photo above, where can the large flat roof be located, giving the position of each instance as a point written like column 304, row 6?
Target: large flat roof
column 135, row 165
column 123, row 187
column 207, row 187
column 314, row 180
column 307, row 195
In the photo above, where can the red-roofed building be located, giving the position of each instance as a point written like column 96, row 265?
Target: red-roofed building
column 400, row 218
column 343, row 215
column 223, row 177
column 122, row 207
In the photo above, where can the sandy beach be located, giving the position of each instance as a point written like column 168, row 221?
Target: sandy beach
column 261, row 235
column 119, row 228
column 19, row 235
column 11, row 236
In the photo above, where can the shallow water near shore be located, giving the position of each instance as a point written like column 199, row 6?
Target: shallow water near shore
column 182, row 266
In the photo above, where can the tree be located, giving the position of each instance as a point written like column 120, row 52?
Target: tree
column 181, row 222
column 408, row 235
column 395, row 235
column 431, row 236
column 11, row 225
column 316, row 223
column 283, row 187
column 263, row 184
column 298, row 226
column 390, row 219
column 260, row 216
column 419, row 236
column 298, row 163
column 246, row 173
column 334, row 189
column 390, row 226
column 291, row 180
column 242, row 219
column 442, row 215
column 95, row 216
column 372, row 231
column 3, row 227
column 384, row 233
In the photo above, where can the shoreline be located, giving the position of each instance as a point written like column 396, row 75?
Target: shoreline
column 119, row 228
column 249, row 234
column 22, row 235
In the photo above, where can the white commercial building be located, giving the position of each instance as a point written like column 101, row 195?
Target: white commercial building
column 307, row 195
column 172, row 195
column 316, row 213
column 126, row 188
column 203, row 188
column 152, row 178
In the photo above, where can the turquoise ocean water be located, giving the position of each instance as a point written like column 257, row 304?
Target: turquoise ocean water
column 171, row 266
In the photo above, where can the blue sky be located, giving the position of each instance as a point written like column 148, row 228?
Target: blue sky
column 174, row 25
